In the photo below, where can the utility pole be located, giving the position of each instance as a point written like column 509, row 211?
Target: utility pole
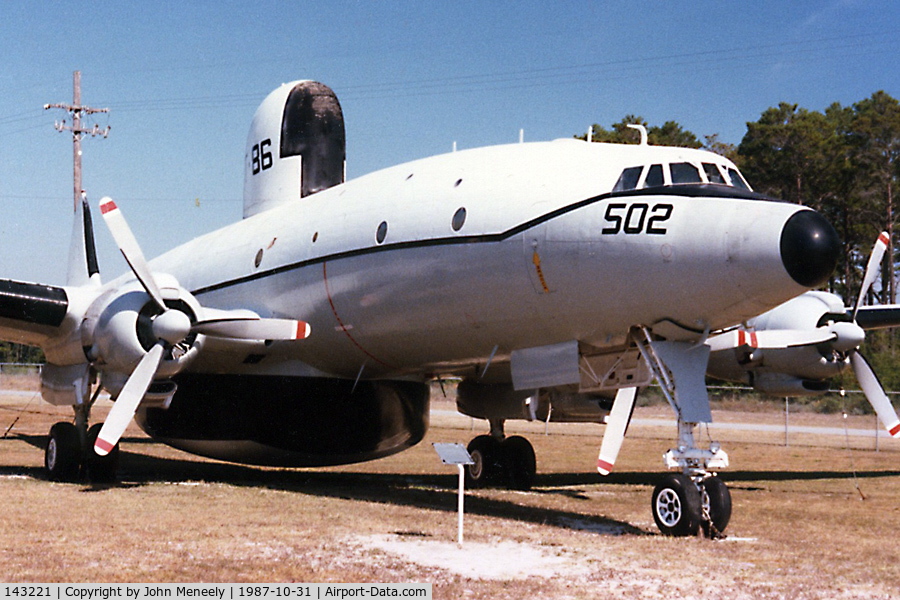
column 77, row 110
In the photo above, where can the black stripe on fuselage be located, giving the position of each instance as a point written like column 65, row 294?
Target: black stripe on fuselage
column 691, row 191
column 33, row 303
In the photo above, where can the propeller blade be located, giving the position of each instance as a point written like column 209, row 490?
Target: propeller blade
column 253, row 328
column 872, row 268
column 770, row 339
column 616, row 424
column 129, row 398
column 130, row 249
column 870, row 385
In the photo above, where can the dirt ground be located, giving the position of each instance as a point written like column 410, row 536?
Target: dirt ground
column 817, row 518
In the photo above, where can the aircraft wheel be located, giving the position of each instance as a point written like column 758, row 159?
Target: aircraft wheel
column 485, row 452
column 519, row 462
column 63, row 454
column 100, row 469
column 676, row 506
column 716, row 501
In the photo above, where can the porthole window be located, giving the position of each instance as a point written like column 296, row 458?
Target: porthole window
column 258, row 260
column 459, row 219
column 315, row 237
column 458, row 181
column 381, row 233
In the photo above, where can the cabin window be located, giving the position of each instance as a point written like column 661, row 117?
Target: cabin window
column 713, row 174
column 381, row 232
column 737, row 180
column 654, row 176
column 685, row 173
column 628, row 180
column 459, row 219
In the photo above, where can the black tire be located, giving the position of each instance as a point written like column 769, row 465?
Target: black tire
column 100, row 469
column 485, row 451
column 676, row 506
column 62, row 457
column 519, row 462
column 717, row 500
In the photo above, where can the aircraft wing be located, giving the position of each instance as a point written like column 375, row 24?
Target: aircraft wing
column 31, row 313
column 878, row 317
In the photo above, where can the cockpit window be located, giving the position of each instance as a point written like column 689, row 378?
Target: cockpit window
column 654, row 177
column 713, row 174
column 628, row 180
column 737, row 180
column 685, row 173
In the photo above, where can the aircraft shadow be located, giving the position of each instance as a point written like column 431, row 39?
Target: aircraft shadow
column 554, row 480
column 426, row 491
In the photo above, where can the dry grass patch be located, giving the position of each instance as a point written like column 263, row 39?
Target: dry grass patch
column 800, row 528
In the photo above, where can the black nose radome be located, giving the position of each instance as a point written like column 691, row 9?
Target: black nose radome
column 809, row 248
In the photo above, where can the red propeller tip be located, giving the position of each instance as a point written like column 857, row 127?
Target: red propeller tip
column 102, row 447
column 605, row 468
column 107, row 206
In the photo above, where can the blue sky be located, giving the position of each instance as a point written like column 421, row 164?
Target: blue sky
column 183, row 79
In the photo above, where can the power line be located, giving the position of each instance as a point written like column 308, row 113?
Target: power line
column 76, row 109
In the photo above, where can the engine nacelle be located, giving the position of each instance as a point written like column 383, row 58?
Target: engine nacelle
column 296, row 146
column 495, row 401
column 290, row 421
column 118, row 331
column 501, row 401
column 778, row 384
column 806, row 312
column 800, row 370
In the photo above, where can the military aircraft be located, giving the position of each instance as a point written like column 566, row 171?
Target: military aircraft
column 798, row 347
column 551, row 278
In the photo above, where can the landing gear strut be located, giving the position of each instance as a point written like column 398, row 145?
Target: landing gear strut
column 501, row 460
column 696, row 498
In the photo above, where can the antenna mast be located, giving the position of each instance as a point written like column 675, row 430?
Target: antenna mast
column 77, row 110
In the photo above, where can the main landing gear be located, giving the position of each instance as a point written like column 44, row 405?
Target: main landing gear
column 70, row 456
column 501, row 460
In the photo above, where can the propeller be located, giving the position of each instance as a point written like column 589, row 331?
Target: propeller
column 871, row 387
column 871, row 270
column 842, row 337
column 866, row 377
column 170, row 327
column 616, row 425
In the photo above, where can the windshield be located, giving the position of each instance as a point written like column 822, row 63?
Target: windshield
column 678, row 173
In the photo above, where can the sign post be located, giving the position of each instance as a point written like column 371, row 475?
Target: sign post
column 456, row 454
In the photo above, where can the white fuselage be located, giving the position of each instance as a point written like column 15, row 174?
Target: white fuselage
column 544, row 255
